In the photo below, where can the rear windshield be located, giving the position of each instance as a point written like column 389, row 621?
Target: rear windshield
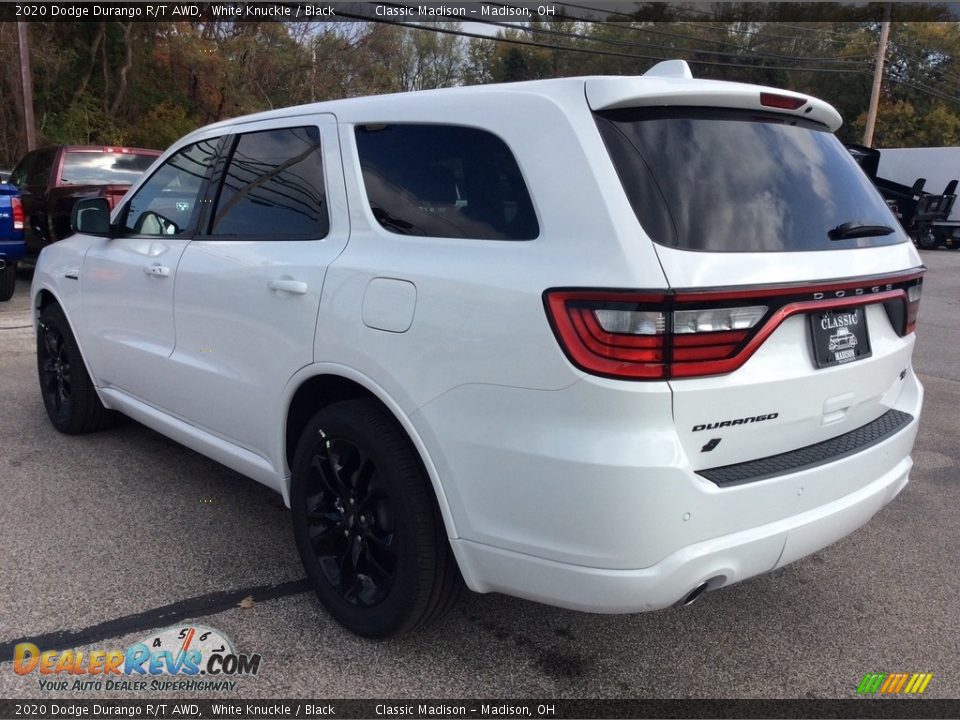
column 103, row 168
column 740, row 181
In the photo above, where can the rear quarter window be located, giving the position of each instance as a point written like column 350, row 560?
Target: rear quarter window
column 444, row 181
column 740, row 181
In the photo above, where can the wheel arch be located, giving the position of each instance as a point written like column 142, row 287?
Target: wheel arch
column 43, row 298
column 321, row 385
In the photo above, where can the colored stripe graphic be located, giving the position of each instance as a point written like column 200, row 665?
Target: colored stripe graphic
column 915, row 680
column 870, row 683
column 894, row 683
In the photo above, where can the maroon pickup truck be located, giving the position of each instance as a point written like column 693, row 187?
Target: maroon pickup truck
column 52, row 179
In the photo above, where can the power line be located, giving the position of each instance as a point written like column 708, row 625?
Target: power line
column 717, row 26
column 663, row 33
column 588, row 51
column 908, row 57
column 748, row 54
column 500, row 38
column 922, row 88
column 702, row 25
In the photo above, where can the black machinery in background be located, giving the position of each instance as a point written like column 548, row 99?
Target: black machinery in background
column 924, row 215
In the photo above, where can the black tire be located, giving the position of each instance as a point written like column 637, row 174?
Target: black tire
column 367, row 525
column 927, row 240
column 8, row 281
column 68, row 393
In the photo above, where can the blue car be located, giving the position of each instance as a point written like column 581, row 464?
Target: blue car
column 12, row 244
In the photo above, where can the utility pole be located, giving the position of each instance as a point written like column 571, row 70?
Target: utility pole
column 877, row 77
column 26, row 78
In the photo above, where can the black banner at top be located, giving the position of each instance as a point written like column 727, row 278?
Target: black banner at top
column 424, row 12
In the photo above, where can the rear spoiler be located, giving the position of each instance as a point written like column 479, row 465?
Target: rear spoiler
column 672, row 83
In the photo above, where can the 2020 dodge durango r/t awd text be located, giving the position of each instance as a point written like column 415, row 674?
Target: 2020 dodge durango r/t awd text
column 603, row 343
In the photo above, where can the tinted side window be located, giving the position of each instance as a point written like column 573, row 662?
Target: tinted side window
column 444, row 181
column 38, row 171
column 19, row 175
column 273, row 187
column 166, row 204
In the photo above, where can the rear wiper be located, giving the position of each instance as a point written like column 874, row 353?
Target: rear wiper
column 858, row 230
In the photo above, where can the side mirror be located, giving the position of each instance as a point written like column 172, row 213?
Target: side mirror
column 91, row 216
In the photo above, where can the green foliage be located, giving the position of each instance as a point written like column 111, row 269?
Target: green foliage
column 900, row 126
column 84, row 123
column 148, row 83
column 162, row 126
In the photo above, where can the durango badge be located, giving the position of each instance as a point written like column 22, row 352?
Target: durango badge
column 738, row 421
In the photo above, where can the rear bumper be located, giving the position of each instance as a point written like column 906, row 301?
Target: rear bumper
column 12, row 250
column 720, row 561
column 594, row 505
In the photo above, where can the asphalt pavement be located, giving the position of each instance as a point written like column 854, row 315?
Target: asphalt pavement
column 105, row 539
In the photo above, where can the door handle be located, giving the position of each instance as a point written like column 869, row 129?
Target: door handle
column 294, row 287
column 157, row 270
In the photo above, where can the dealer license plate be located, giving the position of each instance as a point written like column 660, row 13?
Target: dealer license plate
column 839, row 336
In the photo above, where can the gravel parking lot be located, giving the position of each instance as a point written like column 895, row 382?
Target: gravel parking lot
column 126, row 523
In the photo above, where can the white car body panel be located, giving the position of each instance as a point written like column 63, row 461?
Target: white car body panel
column 222, row 450
column 687, row 269
column 554, row 484
column 239, row 338
column 129, row 343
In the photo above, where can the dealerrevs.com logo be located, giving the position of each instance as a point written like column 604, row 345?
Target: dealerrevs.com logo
column 190, row 658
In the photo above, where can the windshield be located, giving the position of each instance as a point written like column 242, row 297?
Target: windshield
column 104, row 168
column 742, row 181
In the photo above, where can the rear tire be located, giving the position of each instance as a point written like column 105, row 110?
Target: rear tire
column 8, row 281
column 927, row 240
column 366, row 523
column 68, row 394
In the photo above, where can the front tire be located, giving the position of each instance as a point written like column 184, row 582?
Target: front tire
column 68, row 394
column 8, row 281
column 367, row 526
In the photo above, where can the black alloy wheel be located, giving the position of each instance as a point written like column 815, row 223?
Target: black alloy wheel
column 350, row 522
column 68, row 393
column 367, row 525
column 54, row 370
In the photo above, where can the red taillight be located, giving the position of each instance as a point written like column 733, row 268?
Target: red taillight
column 647, row 336
column 18, row 216
column 660, row 335
column 707, row 346
column 783, row 102
column 593, row 348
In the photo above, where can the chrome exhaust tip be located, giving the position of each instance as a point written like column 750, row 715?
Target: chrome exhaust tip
column 695, row 594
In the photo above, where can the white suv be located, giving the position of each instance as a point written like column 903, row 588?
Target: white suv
column 569, row 340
